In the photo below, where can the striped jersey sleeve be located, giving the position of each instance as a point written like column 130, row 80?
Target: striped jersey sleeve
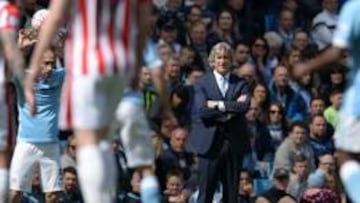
column 9, row 16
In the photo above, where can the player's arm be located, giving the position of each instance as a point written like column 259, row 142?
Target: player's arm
column 58, row 9
column 13, row 56
column 330, row 55
column 9, row 20
column 143, row 15
column 341, row 41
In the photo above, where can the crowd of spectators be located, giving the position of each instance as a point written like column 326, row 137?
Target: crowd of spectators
column 290, row 121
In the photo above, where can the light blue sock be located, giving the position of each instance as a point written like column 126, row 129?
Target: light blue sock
column 150, row 192
column 350, row 175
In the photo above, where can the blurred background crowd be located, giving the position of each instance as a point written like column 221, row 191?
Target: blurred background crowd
column 290, row 121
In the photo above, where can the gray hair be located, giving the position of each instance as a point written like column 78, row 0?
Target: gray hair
column 221, row 47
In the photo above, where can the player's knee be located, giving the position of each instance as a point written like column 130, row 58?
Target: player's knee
column 51, row 197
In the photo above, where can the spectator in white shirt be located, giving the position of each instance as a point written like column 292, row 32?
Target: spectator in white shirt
column 324, row 24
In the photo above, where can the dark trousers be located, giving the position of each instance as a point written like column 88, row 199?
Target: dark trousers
column 223, row 165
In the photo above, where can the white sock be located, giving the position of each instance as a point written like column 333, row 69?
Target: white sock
column 149, row 189
column 111, row 169
column 92, row 174
column 4, row 184
column 350, row 175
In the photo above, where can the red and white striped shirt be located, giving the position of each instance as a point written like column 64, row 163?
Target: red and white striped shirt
column 102, row 40
column 9, row 20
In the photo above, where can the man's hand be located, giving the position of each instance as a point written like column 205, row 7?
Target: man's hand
column 241, row 98
column 30, row 93
column 26, row 39
column 212, row 104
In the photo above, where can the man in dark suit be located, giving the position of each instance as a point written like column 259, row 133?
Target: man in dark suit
column 218, row 133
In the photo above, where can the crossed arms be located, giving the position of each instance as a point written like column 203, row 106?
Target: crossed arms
column 221, row 110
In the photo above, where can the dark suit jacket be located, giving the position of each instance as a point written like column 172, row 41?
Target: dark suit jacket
column 208, row 123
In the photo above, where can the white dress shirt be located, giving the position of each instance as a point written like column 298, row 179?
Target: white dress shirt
column 223, row 84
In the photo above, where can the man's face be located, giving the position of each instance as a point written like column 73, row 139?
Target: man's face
column 300, row 40
column 281, row 77
column 286, row 20
column 317, row 107
column 327, row 163
column 145, row 77
column 70, row 182
column 178, row 140
column 336, row 100
column 48, row 63
column 298, row 135
column 198, row 34
column 301, row 169
column 318, row 127
column 173, row 68
column 242, row 54
column 187, row 57
column 222, row 62
column 165, row 52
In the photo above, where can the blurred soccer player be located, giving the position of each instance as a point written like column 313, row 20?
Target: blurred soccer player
column 347, row 139
column 9, row 18
column 37, row 137
column 103, row 49
column 136, row 133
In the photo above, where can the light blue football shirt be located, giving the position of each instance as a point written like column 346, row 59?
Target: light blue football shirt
column 347, row 36
column 43, row 127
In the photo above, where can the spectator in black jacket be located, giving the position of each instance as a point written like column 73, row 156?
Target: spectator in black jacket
column 175, row 157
